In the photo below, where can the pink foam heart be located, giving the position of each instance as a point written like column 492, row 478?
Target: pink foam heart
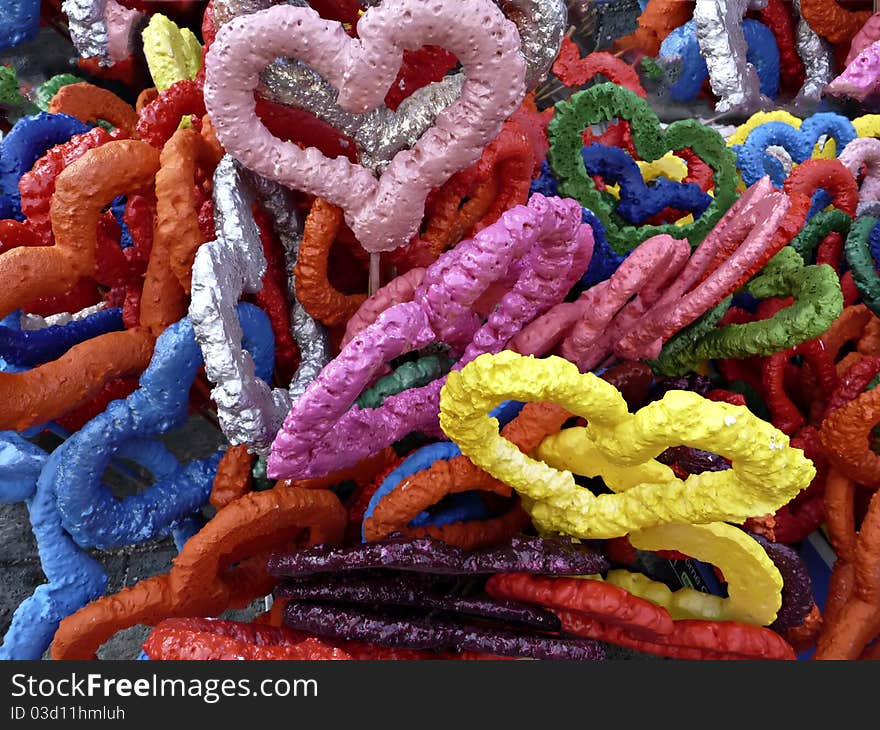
column 384, row 213
column 864, row 152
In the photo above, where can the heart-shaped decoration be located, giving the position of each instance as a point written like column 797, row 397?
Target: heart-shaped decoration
column 540, row 249
column 379, row 134
column 818, row 301
column 250, row 411
column 113, row 169
column 90, row 513
column 754, row 161
column 606, row 102
column 638, row 200
column 622, row 447
column 383, row 213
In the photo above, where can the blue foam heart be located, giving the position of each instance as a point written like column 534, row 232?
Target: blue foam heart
column 90, row 512
column 754, row 162
column 638, row 200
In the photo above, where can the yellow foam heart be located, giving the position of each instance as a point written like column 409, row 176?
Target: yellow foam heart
column 655, row 508
column 767, row 473
column 173, row 54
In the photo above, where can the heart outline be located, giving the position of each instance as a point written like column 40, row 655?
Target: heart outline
column 605, row 102
column 383, row 213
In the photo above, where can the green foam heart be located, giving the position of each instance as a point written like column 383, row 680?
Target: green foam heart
column 861, row 263
column 817, row 228
column 818, row 301
column 607, row 102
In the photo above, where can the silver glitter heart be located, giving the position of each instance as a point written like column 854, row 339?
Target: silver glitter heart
column 815, row 52
column 249, row 410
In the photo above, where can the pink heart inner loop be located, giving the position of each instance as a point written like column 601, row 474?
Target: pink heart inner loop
column 383, row 213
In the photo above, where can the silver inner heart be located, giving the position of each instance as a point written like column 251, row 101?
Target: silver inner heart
column 382, row 133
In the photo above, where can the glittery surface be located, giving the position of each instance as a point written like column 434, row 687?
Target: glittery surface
column 88, row 31
column 29, row 322
column 310, row 335
column 797, row 588
column 413, row 632
column 723, row 45
column 249, row 411
column 414, row 590
column 815, row 52
column 522, row 554
column 680, row 53
column 100, row 28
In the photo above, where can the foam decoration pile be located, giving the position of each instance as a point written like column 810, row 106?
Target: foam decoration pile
column 606, row 102
column 26, row 142
column 818, row 301
column 158, row 406
column 203, row 581
column 747, row 234
column 378, row 135
column 547, row 234
column 491, row 309
column 74, row 577
column 639, row 201
column 754, row 162
column 864, row 154
column 557, row 504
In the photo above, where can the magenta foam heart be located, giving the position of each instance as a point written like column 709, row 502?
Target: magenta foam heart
column 383, row 213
